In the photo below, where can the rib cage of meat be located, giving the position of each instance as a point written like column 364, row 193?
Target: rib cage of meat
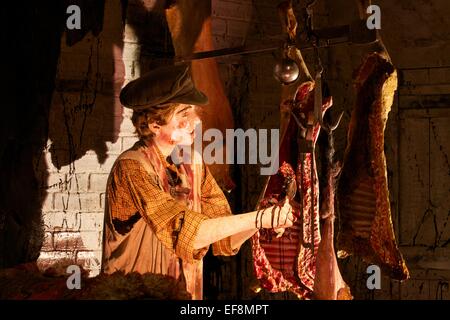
column 363, row 197
column 289, row 262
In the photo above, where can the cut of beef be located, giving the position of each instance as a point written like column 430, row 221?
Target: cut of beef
column 366, row 226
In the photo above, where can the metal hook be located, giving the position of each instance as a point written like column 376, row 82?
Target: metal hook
column 318, row 114
column 330, row 127
column 298, row 121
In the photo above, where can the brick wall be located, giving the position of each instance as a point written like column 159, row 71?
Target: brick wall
column 88, row 129
column 87, row 139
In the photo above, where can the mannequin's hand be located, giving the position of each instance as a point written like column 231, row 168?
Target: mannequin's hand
column 278, row 216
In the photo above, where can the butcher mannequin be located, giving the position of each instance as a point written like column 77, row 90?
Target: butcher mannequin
column 162, row 215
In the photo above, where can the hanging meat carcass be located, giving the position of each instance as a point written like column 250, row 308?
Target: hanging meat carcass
column 288, row 262
column 366, row 224
column 328, row 283
column 298, row 261
column 299, row 258
column 366, row 227
column 190, row 27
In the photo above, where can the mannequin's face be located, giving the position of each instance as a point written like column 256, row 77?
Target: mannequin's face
column 179, row 130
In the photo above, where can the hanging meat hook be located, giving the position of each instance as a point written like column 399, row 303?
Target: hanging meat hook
column 318, row 114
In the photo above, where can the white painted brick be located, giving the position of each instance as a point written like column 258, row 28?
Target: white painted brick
column 136, row 72
column 127, row 113
column 127, row 128
column 51, row 168
column 55, row 182
column 107, row 165
column 77, row 182
column 47, row 259
column 73, row 221
column 91, row 221
column 131, row 51
column 47, row 245
column 129, row 34
column 117, row 120
column 129, row 70
column 60, row 201
column 102, row 200
column 88, row 163
column 128, row 142
column 92, row 240
column 57, row 221
column 97, row 181
column 68, row 241
column 114, row 147
column 77, row 201
column 78, row 240
column 47, row 205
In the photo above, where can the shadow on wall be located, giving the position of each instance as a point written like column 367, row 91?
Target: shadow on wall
column 70, row 104
column 86, row 112
column 83, row 115
column 153, row 44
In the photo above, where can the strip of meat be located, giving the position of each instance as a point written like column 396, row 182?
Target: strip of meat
column 190, row 28
column 328, row 284
column 217, row 114
column 365, row 215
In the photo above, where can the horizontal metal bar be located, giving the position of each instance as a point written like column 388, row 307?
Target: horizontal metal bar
column 354, row 33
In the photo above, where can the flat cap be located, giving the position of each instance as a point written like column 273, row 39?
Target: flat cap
column 163, row 85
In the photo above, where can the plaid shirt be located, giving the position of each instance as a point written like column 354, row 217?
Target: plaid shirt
column 131, row 189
